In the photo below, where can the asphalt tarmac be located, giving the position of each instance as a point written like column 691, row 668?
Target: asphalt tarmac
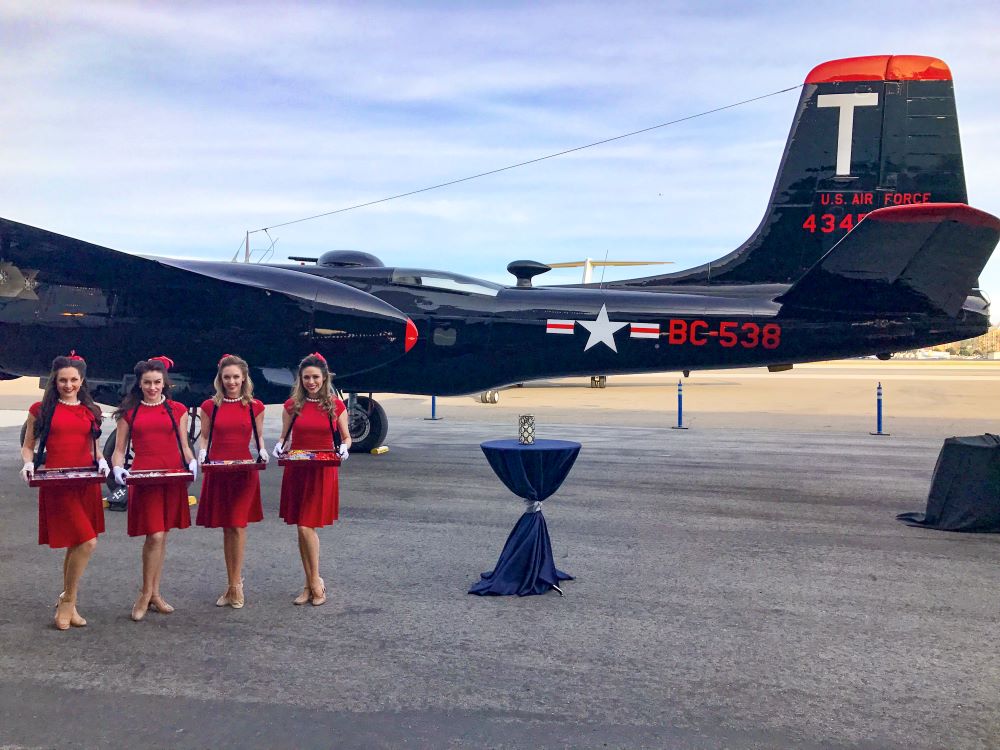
column 736, row 587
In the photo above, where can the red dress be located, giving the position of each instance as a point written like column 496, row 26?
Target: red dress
column 68, row 516
column 309, row 494
column 231, row 498
column 157, row 507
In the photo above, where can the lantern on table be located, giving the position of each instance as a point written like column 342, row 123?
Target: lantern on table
column 526, row 429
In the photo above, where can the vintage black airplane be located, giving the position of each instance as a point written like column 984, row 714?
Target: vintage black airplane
column 867, row 247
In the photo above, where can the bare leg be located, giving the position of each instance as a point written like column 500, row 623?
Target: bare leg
column 74, row 563
column 234, row 542
column 304, row 597
column 309, row 546
column 152, row 560
column 155, row 599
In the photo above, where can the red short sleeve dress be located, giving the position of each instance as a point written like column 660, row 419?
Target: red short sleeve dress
column 309, row 494
column 230, row 499
column 68, row 516
column 157, row 507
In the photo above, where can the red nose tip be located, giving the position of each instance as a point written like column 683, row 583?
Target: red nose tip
column 411, row 335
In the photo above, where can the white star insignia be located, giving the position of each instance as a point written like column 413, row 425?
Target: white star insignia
column 602, row 330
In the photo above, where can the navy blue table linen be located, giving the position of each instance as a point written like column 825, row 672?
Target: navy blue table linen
column 533, row 472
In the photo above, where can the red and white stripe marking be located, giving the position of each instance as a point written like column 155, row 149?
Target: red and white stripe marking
column 560, row 326
column 645, row 330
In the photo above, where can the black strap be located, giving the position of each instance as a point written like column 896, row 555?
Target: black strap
column 42, row 439
column 211, row 430
column 128, row 441
column 253, row 426
column 177, row 432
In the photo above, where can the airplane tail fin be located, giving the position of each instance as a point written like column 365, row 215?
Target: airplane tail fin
column 869, row 132
column 922, row 259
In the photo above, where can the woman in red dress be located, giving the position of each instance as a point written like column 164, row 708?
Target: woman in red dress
column 230, row 500
column 309, row 494
column 155, row 426
column 67, row 424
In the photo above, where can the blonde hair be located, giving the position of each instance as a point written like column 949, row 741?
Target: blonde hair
column 246, row 389
column 299, row 393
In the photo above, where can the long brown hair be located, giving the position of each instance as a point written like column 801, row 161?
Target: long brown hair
column 326, row 393
column 246, row 390
column 51, row 394
column 134, row 395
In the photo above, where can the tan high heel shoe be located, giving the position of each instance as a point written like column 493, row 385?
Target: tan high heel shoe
column 67, row 607
column 77, row 620
column 321, row 597
column 140, row 608
column 223, row 601
column 158, row 604
column 304, row 597
column 237, row 601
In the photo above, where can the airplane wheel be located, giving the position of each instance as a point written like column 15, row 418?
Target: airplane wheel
column 368, row 424
column 490, row 397
column 598, row 381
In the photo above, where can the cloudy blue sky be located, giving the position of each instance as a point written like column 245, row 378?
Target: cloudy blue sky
column 174, row 128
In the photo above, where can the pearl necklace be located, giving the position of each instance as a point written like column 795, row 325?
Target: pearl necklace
column 232, row 400
column 312, row 400
column 69, row 403
column 158, row 403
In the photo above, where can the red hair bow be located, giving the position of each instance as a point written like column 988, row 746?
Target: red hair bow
column 223, row 357
column 166, row 361
column 74, row 356
column 318, row 356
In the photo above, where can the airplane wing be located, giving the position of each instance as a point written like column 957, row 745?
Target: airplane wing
column 122, row 307
column 916, row 258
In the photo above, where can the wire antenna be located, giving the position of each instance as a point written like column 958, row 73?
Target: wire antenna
column 529, row 161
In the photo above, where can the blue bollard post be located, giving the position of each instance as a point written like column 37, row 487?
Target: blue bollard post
column 433, row 417
column 680, row 407
column 878, row 413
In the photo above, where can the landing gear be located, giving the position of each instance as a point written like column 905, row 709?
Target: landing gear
column 368, row 423
column 598, row 381
column 490, row 397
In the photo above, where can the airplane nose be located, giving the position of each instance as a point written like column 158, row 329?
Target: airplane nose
column 411, row 335
column 358, row 331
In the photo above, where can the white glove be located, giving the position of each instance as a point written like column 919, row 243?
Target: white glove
column 193, row 468
column 279, row 448
column 102, row 466
column 27, row 471
column 263, row 455
column 121, row 474
column 343, row 453
column 202, row 455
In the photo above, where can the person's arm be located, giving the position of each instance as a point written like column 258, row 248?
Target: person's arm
column 286, row 420
column 28, row 449
column 182, row 427
column 28, row 446
column 345, row 436
column 345, row 429
column 261, row 448
column 206, row 429
column 118, row 457
column 121, row 440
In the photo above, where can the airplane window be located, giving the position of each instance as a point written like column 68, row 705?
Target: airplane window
column 445, row 336
column 450, row 282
